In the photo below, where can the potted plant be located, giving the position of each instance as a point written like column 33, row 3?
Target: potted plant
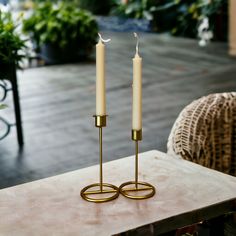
column 12, row 47
column 61, row 32
column 192, row 12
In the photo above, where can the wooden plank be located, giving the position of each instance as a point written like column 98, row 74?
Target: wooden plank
column 58, row 103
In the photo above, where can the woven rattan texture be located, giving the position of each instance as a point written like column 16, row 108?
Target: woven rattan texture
column 205, row 132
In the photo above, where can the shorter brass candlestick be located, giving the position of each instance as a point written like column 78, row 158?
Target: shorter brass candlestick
column 100, row 192
column 136, row 189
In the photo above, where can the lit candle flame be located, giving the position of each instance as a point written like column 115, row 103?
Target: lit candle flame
column 137, row 42
column 103, row 40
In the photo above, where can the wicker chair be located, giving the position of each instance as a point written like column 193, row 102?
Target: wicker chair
column 205, row 132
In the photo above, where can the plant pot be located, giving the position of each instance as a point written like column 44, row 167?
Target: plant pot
column 164, row 20
column 97, row 7
column 220, row 21
column 53, row 54
column 6, row 70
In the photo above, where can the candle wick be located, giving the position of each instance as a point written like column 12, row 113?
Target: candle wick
column 137, row 43
column 103, row 40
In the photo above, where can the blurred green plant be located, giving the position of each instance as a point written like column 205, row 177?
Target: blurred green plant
column 181, row 17
column 136, row 9
column 161, row 13
column 61, row 24
column 191, row 12
column 12, row 47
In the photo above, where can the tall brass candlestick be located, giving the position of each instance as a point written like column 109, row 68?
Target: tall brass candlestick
column 95, row 192
column 136, row 188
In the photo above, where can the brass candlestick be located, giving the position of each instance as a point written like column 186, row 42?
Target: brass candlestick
column 100, row 192
column 136, row 189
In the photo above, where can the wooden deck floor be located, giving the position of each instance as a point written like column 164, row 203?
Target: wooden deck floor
column 58, row 103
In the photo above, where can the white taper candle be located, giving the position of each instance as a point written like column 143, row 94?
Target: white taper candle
column 137, row 90
column 100, row 77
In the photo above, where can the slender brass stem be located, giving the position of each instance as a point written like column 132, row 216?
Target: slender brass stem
column 100, row 147
column 136, row 164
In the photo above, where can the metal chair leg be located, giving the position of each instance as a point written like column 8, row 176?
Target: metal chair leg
column 17, row 108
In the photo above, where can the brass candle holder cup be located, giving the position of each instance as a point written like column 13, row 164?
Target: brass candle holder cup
column 136, row 189
column 100, row 192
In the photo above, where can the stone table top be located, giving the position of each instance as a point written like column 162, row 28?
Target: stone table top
column 186, row 193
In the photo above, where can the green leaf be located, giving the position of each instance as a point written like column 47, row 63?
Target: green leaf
column 2, row 106
column 11, row 44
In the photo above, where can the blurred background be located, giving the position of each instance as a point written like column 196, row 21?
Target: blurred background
column 47, row 76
